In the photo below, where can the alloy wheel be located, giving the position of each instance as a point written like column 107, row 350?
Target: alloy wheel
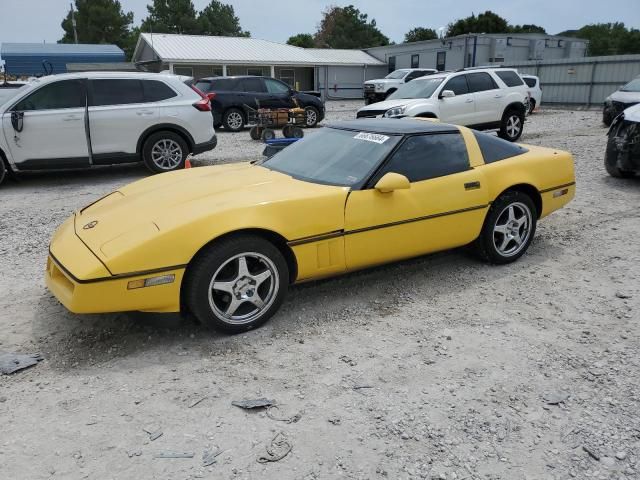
column 243, row 288
column 166, row 154
column 512, row 229
column 514, row 125
column 312, row 117
column 234, row 120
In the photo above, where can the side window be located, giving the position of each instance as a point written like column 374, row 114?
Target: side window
column 494, row 148
column 480, row 82
column 458, row 85
column 203, row 86
column 156, row 91
column 509, row 77
column 55, row 96
column 252, row 85
column 416, row 74
column 116, row 92
column 531, row 82
column 224, row 85
column 429, row 156
column 273, row 86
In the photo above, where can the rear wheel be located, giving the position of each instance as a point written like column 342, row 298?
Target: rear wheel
column 532, row 105
column 268, row 134
column 238, row 284
column 508, row 228
column 286, row 131
column 255, row 133
column 164, row 152
column 233, row 120
column 312, row 116
column 511, row 125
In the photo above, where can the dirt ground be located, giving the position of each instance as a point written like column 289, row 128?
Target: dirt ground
column 440, row 367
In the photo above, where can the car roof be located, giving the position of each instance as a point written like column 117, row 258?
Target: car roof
column 219, row 77
column 526, row 75
column 394, row 126
column 73, row 76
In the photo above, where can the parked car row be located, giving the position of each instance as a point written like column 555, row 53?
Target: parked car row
column 483, row 99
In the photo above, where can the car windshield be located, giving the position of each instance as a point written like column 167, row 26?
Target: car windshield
column 397, row 74
column 417, row 89
column 632, row 86
column 334, row 157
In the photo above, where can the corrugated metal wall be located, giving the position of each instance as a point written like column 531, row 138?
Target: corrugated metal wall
column 582, row 81
column 337, row 83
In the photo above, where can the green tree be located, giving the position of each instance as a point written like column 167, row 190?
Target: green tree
column 419, row 34
column 527, row 29
column 218, row 18
column 487, row 22
column 304, row 40
column 610, row 38
column 171, row 16
column 346, row 27
column 99, row 21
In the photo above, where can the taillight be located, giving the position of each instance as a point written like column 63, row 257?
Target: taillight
column 211, row 96
column 204, row 104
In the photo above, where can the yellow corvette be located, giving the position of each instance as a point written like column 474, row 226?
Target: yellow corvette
column 225, row 242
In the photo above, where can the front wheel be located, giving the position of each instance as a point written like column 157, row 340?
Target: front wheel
column 532, row 105
column 508, row 228
column 511, row 125
column 611, row 162
column 164, row 152
column 238, row 284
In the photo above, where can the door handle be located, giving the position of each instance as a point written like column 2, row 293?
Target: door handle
column 469, row 100
column 497, row 96
column 472, row 185
column 144, row 112
column 71, row 118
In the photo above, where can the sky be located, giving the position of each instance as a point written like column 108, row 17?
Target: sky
column 277, row 20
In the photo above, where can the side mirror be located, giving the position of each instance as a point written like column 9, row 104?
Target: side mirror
column 447, row 94
column 17, row 121
column 392, row 181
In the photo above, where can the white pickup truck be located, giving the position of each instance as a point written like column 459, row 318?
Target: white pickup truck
column 380, row 89
column 9, row 89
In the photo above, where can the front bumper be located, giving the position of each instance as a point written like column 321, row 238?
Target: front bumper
column 205, row 146
column 82, row 283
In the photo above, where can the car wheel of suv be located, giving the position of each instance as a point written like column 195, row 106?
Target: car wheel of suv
column 532, row 105
column 233, row 120
column 164, row 152
column 3, row 170
column 312, row 116
column 511, row 125
column 508, row 228
column 238, row 284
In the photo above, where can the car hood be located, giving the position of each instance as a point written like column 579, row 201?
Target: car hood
column 625, row 97
column 383, row 80
column 387, row 104
column 189, row 204
column 632, row 114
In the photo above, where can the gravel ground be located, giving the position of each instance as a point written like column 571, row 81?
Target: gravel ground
column 440, row 367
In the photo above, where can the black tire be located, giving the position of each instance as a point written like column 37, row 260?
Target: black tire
column 607, row 118
column 233, row 120
column 497, row 216
column 3, row 170
column 268, row 134
column 312, row 117
column 532, row 105
column 255, row 133
column 509, row 131
column 297, row 132
column 286, row 131
column 222, row 261
column 162, row 141
column 611, row 162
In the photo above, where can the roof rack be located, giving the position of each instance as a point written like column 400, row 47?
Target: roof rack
column 481, row 68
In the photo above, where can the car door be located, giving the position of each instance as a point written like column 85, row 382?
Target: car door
column 459, row 109
column 53, row 132
column 254, row 93
column 443, row 208
column 487, row 95
column 279, row 94
column 118, row 115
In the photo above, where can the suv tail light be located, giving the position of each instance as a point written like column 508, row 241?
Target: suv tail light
column 204, row 104
column 211, row 95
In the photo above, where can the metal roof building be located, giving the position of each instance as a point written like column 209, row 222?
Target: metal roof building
column 337, row 73
column 30, row 59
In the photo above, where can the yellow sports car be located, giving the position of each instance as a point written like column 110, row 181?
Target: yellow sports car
column 225, row 242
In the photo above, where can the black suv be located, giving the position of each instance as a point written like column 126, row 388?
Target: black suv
column 235, row 96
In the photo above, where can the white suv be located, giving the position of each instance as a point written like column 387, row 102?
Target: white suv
column 484, row 99
column 84, row 119
column 376, row 90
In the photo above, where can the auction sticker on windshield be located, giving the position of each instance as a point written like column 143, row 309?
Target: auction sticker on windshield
column 372, row 137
